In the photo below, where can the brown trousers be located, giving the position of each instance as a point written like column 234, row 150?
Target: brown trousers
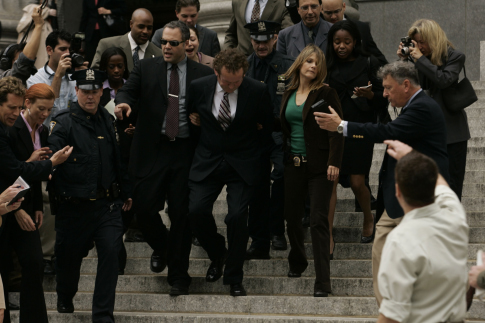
column 383, row 228
column 298, row 183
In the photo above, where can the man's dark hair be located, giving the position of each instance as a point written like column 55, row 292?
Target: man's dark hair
column 180, row 25
column 52, row 39
column 232, row 59
column 187, row 3
column 416, row 175
column 10, row 85
column 352, row 29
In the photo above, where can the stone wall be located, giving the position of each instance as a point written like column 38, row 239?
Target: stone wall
column 10, row 14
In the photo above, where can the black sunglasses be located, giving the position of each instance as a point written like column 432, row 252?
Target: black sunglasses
column 173, row 43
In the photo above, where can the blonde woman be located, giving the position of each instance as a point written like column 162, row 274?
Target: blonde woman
column 312, row 163
column 439, row 65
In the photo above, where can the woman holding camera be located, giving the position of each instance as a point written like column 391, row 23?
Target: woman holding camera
column 439, row 65
column 313, row 163
column 352, row 73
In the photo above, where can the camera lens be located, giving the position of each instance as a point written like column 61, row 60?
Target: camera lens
column 405, row 51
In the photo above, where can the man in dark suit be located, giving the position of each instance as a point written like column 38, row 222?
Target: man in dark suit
column 162, row 150
column 94, row 25
column 334, row 11
column 266, row 217
column 421, row 125
column 187, row 11
column 311, row 29
column 231, row 108
column 32, row 305
column 246, row 11
column 136, row 44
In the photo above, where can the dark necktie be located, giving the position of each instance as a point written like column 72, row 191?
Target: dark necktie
column 172, row 118
column 224, row 112
column 136, row 58
column 311, row 35
column 256, row 11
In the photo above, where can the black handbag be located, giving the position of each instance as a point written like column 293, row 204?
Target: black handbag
column 458, row 97
column 116, row 23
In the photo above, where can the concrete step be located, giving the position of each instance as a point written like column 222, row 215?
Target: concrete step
column 255, row 285
column 472, row 152
column 343, row 251
column 249, row 305
column 164, row 317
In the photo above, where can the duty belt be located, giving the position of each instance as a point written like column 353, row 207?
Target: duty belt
column 112, row 193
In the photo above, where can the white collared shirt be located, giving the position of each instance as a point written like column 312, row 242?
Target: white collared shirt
column 423, row 272
column 216, row 103
column 250, row 6
column 133, row 44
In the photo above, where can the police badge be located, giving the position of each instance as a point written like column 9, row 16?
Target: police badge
column 51, row 127
column 261, row 26
column 90, row 75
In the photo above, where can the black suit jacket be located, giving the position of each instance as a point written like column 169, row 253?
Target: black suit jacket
column 11, row 167
column 241, row 144
column 146, row 92
column 422, row 126
column 91, row 16
column 23, row 148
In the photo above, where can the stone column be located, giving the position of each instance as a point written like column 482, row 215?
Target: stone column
column 216, row 14
column 10, row 14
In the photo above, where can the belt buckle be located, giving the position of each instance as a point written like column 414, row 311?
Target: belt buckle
column 296, row 161
column 171, row 139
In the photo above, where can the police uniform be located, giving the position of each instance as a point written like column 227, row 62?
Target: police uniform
column 266, row 218
column 89, row 190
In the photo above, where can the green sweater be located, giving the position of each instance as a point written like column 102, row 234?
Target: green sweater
column 294, row 116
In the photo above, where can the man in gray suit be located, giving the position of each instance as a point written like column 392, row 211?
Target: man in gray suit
column 136, row 44
column 311, row 29
column 247, row 11
column 187, row 11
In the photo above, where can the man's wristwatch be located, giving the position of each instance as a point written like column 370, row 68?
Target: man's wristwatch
column 340, row 128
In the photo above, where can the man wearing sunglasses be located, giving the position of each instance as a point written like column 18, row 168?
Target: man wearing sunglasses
column 334, row 11
column 162, row 150
column 311, row 29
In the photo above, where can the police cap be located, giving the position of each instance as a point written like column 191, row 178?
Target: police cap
column 263, row 30
column 89, row 79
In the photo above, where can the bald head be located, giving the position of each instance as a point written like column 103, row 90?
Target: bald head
column 141, row 25
column 333, row 10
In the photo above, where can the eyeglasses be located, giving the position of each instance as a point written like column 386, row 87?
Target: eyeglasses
column 173, row 43
column 313, row 7
column 331, row 13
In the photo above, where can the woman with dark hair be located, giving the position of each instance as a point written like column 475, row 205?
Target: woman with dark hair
column 313, row 162
column 439, row 65
column 352, row 73
column 192, row 50
column 114, row 63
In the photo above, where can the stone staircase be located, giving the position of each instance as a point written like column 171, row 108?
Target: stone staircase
column 273, row 297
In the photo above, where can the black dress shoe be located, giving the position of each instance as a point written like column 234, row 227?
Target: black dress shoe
column 196, row 242
column 158, row 262
column 254, row 253
column 49, row 268
column 320, row 293
column 305, row 222
column 293, row 274
column 133, row 235
column 65, row 307
column 13, row 307
column 215, row 270
column 371, row 237
column 279, row 243
column 178, row 289
column 237, row 290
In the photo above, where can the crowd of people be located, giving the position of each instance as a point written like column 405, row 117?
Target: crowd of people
column 289, row 108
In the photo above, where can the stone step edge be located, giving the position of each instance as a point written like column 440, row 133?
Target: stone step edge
column 229, row 316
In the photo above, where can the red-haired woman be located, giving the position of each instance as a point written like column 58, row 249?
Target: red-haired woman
column 28, row 136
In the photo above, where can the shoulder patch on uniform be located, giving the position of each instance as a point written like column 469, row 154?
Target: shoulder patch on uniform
column 52, row 124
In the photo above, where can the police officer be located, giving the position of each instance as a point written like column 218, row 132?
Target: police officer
column 89, row 190
column 266, row 219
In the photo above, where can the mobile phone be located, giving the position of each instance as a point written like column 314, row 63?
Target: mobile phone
column 365, row 87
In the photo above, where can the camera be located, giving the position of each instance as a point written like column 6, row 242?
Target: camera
column 77, row 60
column 406, row 44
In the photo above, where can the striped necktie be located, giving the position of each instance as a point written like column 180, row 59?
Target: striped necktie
column 224, row 117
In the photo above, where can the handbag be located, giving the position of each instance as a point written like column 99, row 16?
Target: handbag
column 459, row 96
column 116, row 23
